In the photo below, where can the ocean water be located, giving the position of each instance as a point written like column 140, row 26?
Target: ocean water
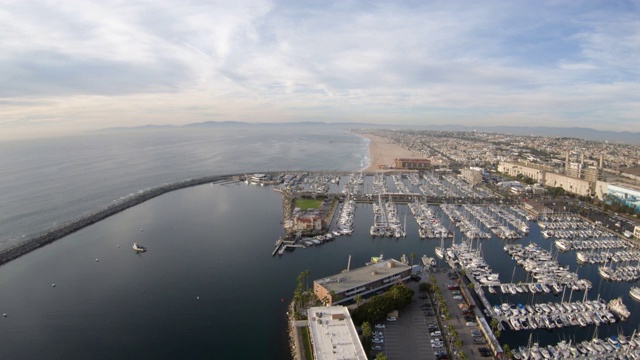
column 45, row 182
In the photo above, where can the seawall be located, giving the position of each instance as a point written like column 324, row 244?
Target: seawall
column 50, row 235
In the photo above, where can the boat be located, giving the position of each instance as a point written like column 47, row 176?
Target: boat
column 634, row 292
column 375, row 259
column 617, row 307
column 139, row 248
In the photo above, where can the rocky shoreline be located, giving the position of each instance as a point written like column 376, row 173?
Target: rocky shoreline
column 50, row 235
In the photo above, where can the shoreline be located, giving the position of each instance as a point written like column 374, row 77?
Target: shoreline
column 382, row 153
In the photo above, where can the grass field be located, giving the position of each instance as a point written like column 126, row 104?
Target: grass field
column 305, row 204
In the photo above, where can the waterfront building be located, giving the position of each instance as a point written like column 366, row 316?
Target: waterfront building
column 412, row 164
column 472, row 176
column 307, row 222
column 376, row 276
column 333, row 334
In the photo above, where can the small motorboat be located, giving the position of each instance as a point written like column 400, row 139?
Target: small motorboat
column 139, row 248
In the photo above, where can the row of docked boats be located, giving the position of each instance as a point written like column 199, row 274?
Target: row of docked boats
column 316, row 240
column 564, row 226
column 613, row 347
column 540, row 264
column 400, row 185
column 620, row 273
column 354, row 185
column 603, row 257
column 429, row 225
column 499, row 228
column 344, row 224
column 464, row 224
column 566, row 245
column 473, row 263
column 556, row 315
column 385, row 220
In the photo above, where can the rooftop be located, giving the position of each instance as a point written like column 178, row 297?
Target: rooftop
column 362, row 276
column 333, row 334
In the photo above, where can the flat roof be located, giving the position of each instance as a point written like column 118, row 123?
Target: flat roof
column 333, row 334
column 362, row 276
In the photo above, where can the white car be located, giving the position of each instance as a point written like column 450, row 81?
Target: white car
column 377, row 341
column 379, row 326
column 376, row 348
column 437, row 345
column 391, row 318
column 436, row 333
column 377, row 334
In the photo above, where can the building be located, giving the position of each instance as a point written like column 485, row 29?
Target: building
column 569, row 184
column 365, row 280
column 636, row 232
column 307, row 222
column 412, row 164
column 472, row 176
column 515, row 169
column 333, row 334
column 626, row 194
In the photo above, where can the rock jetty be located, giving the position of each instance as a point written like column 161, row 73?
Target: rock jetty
column 55, row 233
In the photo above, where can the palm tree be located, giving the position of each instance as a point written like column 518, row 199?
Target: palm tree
column 366, row 330
column 358, row 299
column 412, row 256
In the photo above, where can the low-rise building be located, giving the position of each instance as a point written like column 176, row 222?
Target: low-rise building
column 412, row 164
column 333, row 334
column 374, row 277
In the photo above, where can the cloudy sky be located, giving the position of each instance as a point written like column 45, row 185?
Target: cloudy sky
column 82, row 65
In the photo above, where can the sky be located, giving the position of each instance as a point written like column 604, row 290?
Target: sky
column 73, row 66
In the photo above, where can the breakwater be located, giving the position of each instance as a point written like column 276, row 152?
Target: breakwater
column 50, row 235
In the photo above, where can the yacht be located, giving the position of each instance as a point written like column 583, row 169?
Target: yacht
column 619, row 308
column 139, row 248
column 635, row 293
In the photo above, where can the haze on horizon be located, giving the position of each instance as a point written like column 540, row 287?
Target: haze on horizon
column 74, row 66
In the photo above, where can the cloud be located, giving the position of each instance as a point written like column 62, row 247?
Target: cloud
column 94, row 62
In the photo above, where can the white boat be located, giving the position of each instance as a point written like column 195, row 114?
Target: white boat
column 634, row 292
column 139, row 248
column 619, row 308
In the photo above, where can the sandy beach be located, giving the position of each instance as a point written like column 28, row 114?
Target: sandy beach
column 382, row 152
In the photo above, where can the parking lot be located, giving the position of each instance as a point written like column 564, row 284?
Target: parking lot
column 409, row 337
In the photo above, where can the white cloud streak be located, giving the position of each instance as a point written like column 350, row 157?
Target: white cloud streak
column 84, row 65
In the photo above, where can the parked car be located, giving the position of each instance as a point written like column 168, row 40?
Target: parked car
column 471, row 324
column 437, row 345
column 436, row 333
column 376, row 348
column 391, row 318
column 379, row 326
column 377, row 334
column 453, row 287
column 377, row 341
column 478, row 340
column 469, row 318
column 457, row 297
column 476, row 332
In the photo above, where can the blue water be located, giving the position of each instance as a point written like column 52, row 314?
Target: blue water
column 45, row 182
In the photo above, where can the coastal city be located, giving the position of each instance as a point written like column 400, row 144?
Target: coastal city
column 549, row 210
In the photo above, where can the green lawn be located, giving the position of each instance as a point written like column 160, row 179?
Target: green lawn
column 305, row 204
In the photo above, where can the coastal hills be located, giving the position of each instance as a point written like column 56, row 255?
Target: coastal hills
column 626, row 137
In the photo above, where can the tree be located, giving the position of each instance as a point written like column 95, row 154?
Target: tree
column 412, row 256
column 462, row 356
column 358, row 299
column 366, row 330
column 470, row 285
column 381, row 356
column 507, row 351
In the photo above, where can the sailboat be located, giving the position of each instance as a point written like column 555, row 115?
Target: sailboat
column 440, row 249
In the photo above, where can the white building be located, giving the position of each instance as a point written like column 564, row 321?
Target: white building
column 333, row 334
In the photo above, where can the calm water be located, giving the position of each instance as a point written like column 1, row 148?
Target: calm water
column 48, row 181
column 208, row 287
